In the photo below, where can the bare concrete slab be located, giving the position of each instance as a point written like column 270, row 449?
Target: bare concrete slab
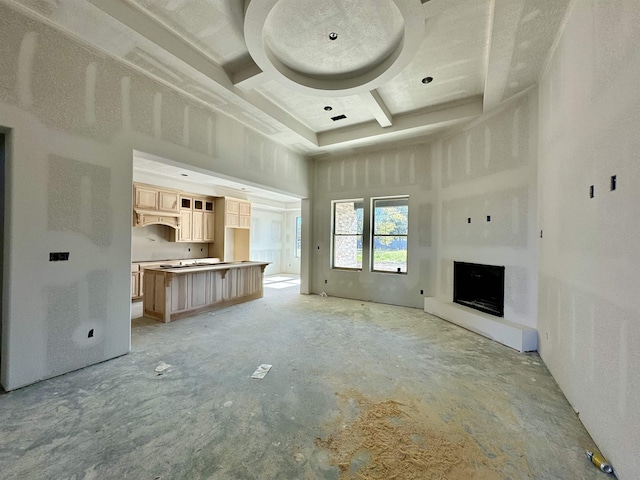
column 204, row 418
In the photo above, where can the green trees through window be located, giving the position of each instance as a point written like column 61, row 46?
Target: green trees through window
column 390, row 233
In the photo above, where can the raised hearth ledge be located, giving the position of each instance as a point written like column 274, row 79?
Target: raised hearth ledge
column 518, row 337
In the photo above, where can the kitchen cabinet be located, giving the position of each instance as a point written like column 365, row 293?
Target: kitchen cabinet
column 153, row 198
column 135, row 282
column 237, row 213
column 197, row 221
column 173, row 293
column 209, row 227
column 232, row 230
column 155, row 205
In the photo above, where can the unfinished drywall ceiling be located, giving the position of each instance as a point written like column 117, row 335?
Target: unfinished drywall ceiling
column 276, row 67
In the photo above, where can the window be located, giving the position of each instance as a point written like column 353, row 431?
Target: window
column 298, row 236
column 390, row 232
column 348, row 223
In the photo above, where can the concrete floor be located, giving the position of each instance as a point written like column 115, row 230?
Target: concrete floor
column 204, row 418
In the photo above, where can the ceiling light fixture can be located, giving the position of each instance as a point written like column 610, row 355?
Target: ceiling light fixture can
column 328, row 108
column 426, row 80
column 333, row 36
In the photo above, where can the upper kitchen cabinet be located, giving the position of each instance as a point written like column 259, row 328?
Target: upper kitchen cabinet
column 155, row 205
column 237, row 213
column 196, row 219
column 158, row 199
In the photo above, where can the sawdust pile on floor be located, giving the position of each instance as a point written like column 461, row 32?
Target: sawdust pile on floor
column 390, row 440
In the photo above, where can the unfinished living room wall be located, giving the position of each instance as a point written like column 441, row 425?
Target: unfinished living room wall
column 403, row 171
column 589, row 306
column 75, row 117
column 486, row 202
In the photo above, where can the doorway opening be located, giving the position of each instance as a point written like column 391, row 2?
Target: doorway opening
column 270, row 231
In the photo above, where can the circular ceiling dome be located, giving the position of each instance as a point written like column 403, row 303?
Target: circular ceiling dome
column 333, row 47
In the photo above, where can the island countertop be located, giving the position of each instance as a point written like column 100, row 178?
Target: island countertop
column 177, row 291
column 201, row 267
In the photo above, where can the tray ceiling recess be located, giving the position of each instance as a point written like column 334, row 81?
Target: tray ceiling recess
column 333, row 48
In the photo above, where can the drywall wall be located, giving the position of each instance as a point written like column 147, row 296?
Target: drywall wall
column 291, row 259
column 75, row 117
column 486, row 202
column 155, row 242
column 273, row 237
column 589, row 307
column 267, row 237
column 403, row 171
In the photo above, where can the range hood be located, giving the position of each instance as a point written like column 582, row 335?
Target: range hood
column 142, row 218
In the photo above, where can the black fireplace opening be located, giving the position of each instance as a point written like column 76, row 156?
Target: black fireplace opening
column 479, row 286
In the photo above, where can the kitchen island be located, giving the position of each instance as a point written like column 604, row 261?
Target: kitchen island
column 177, row 291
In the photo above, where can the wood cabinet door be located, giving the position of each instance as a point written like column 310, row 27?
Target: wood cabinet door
column 232, row 206
column 135, row 284
column 197, row 232
column 167, row 201
column 244, row 221
column 245, row 208
column 208, row 227
column 186, row 226
column 146, row 197
column 231, row 220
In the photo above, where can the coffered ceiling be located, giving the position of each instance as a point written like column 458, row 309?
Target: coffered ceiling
column 327, row 76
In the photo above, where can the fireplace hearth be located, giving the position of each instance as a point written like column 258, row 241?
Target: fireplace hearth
column 479, row 286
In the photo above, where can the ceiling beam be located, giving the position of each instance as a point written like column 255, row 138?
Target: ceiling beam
column 282, row 116
column 150, row 28
column 377, row 107
column 424, row 119
column 248, row 76
column 155, row 31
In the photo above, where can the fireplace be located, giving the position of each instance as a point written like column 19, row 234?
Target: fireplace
column 479, row 286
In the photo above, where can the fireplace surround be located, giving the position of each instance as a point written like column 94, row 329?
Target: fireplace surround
column 479, row 286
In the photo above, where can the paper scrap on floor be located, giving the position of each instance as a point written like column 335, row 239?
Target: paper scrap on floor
column 162, row 367
column 261, row 371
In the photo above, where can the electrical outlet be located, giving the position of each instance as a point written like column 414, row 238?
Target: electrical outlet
column 58, row 256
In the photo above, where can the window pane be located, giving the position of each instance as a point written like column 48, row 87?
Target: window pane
column 298, row 236
column 390, row 254
column 390, row 231
column 347, row 251
column 348, row 218
column 391, row 217
column 348, row 221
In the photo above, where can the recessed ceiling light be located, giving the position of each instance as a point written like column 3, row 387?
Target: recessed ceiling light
column 184, row 174
column 427, row 80
column 333, row 36
column 328, row 108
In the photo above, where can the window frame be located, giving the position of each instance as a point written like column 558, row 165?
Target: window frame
column 297, row 245
column 342, row 235
column 373, row 235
